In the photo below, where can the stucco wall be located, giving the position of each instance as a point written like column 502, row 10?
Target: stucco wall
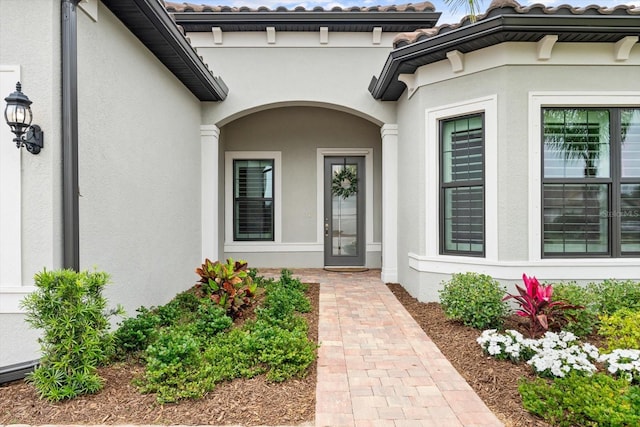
column 36, row 54
column 139, row 150
column 297, row 132
column 260, row 75
column 512, row 85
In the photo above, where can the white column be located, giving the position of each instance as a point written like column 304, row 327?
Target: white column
column 209, row 171
column 389, row 134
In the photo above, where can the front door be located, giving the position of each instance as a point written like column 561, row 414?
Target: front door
column 344, row 211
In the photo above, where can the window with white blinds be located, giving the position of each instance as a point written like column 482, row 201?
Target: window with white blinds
column 253, row 207
column 462, row 186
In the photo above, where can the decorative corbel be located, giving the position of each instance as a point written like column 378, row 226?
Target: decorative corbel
column 410, row 81
column 545, row 46
column 324, row 35
column 377, row 35
column 217, row 35
column 456, row 58
column 271, row 35
column 622, row 48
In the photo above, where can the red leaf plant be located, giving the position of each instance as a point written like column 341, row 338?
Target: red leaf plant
column 535, row 302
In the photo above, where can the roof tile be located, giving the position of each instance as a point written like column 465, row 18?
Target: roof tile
column 191, row 7
column 503, row 7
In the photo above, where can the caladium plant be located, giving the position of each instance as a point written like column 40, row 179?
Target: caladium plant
column 229, row 285
column 535, row 303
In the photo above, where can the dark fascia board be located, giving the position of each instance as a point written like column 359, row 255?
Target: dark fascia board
column 306, row 21
column 165, row 40
column 499, row 29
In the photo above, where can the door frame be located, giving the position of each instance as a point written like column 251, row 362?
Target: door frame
column 367, row 153
column 359, row 259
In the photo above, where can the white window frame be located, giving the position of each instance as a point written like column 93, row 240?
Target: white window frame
column 538, row 100
column 11, row 289
column 489, row 106
column 252, row 246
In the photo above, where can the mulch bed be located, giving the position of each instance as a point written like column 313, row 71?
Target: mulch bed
column 259, row 402
column 246, row 402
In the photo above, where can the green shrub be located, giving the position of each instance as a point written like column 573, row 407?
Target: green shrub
column 475, row 300
column 621, row 329
column 174, row 367
column 187, row 301
column 230, row 356
column 171, row 313
column 285, row 352
column 580, row 321
column 210, row 320
column 612, row 295
column 136, row 333
column 71, row 311
column 191, row 356
column 579, row 400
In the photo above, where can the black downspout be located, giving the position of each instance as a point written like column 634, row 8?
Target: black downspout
column 70, row 187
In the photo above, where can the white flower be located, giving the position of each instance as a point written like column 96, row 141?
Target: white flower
column 624, row 363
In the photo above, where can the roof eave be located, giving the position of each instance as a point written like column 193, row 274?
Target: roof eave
column 169, row 45
column 309, row 20
column 386, row 87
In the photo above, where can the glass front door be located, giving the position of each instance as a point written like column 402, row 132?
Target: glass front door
column 344, row 211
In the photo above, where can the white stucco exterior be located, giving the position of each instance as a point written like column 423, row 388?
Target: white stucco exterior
column 39, row 179
column 513, row 84
column 296, row 70
column 139, row 150
column 155, row 154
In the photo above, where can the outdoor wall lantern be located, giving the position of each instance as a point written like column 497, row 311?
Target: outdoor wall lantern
column 18, row 116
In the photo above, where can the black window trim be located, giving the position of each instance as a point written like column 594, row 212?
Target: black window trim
column 234, row 199
column 614, row 182
column 466, row 183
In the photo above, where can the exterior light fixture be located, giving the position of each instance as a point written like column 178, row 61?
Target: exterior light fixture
column 18, row 116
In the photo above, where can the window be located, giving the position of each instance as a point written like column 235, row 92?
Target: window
column 253, row 207
column 591, row 182
column 462, row 186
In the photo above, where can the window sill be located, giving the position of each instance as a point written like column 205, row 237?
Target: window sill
column 10, row 298
column 553, row 269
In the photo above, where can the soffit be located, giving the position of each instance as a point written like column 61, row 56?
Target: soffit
column 504, row 21
column 150, row 23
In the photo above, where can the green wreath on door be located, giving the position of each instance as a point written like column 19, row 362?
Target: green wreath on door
column 345, row 183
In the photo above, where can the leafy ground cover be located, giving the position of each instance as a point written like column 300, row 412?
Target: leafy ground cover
column 250, row 385
column 258, row 401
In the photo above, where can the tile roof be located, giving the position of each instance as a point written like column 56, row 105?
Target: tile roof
column 512, row 7
column 392, row 19
column 191, row 7
column 504, row 21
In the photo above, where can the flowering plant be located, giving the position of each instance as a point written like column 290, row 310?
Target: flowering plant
column 553, row 355
column 559, row 354
column 511, row 345
column 624, row 363
column 535, row 303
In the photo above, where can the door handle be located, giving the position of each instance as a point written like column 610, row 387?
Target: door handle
column 326, row 229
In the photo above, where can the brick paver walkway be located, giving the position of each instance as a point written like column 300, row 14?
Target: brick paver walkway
column 376, row 367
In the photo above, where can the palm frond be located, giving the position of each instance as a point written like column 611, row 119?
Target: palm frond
column 472, row 7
